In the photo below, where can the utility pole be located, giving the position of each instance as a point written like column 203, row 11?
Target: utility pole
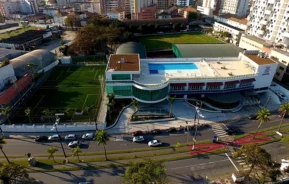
column 187, row 132
column 196, row 129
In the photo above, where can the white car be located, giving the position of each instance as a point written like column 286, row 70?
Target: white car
column 88, row 136
column 154, row 143
column 74, row 144
column 54, row 137
column 284, row 164
column 70, row 137
column 138, row 139
column 281, row 95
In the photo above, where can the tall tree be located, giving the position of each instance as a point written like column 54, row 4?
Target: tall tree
column 109, row 109
column 1, row 148
column 27, row 112
column 101, row 138
column 171, row 101
column 51, row 152
column 135, row 104
column 145, row 171
column 49, row 113
column 72, row 21
column 6, row 112
column 30, row 68
column 68, row 112
column 284, row 110
column 11, row 173
column 76, row 152
column 262, row 117
column 88, row 110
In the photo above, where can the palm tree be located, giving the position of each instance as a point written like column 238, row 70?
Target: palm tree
column 88, row 110
column 76, row 152
column 135, row 104
column 110, row 97
column 171, row 101
column 49, row 113
column 30, row 67
column 284, row 110
column 101, row 138
column 1, row 148
column 109, row 108
column 68, row 112
column 27, row 112
column 51, row 151
column 6, row 112
column 262, row 117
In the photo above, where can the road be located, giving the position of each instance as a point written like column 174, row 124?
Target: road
column 192, row 170
column 124, row 142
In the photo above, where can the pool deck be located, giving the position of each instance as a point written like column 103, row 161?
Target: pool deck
column 206, row 69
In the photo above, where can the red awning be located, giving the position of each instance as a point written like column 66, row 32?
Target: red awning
column 232, row 82
column 248, row 80
column 214, row 84
column 196, row 84
column 178, row 84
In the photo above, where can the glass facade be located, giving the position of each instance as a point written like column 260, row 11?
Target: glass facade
column 152, row 95
column 119, row 90
column 120, row 77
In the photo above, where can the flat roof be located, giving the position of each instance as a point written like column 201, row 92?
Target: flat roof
column 241, row 20
column 258, row 40
column 24, row 37
column 238, row 29
column 208, row 50
column 130, row 62
column 259, row 60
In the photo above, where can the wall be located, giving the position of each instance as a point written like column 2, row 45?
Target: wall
column 248, row 44
column 5, row 73
column 231, row 22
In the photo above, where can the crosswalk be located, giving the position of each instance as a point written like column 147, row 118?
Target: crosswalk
column 220, row 132
column 242, row 163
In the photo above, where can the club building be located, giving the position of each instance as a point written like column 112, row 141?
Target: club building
column 153, row 80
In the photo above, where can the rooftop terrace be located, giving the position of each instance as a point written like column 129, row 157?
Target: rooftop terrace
column 123, row 62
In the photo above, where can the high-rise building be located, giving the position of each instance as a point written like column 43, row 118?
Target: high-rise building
column 110, row 5
column 219, row 7
column 185, row 3
column 164, row 4
column 143, row 9
column 18, row 6
column 268, row 20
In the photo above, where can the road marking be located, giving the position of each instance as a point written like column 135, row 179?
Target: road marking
column 198, row 164
column 232, row 162
column 225, row 126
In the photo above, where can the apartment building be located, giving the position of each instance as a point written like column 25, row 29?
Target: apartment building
column 268, row 20
column 116, row 14
column 143, row 9
column 164, row 4
column 185, row 3
column 9, row 7
column 219, row 7
column 110, row 5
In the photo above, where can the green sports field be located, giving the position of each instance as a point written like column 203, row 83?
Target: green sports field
column 166, row 41
column 66, row 87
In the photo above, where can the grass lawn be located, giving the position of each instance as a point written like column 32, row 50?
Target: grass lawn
column 16, row 32
column 166, row 41
column 66, row 87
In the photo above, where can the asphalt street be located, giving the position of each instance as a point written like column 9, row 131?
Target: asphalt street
column 192, row 170
column 22, row 146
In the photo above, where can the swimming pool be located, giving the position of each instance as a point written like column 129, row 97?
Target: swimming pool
column 172, row 66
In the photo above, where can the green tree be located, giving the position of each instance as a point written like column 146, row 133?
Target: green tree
column 62, row 42
column 68, row 112
column 6, row 112
column 51, row 152
column 135, row 105
column 109, row 109
column 178, row 146
column 1, row 148
column 31, row 69
column 111, row 97
column 192, row 15
column 27, row 112
column 11, row 173
column 262, row 117
column 88, row 110
column 285, row 140
column 145, row 171
column 101, row 138
column 72, row 21
column 257, row 157
column 171, row 101
column 76, row 152
column 2, row 19
column 49, row 113
column 4, row 62
column 284, row 110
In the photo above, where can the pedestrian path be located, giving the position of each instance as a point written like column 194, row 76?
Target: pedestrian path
column 220, row 132
column 242, row 163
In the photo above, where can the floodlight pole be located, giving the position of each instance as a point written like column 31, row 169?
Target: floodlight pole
column 55, row 125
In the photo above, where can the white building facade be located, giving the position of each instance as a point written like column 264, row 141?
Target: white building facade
column 20, row 6
column 268, row 20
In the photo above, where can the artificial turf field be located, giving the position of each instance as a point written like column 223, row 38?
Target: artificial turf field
column 166, row 41
column 66, row 87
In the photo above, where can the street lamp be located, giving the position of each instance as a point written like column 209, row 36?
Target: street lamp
column 188, row 132
column 196, row 127
column 55, row 128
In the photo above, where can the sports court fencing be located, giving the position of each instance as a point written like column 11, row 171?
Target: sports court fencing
column 89, row 59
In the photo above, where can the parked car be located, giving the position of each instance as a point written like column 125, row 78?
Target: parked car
column 138, row 139
column 74, row 144
column 154, row 143
column 252, row 117
column 88, row 136
column 281, row 115
column 137, row 133
column 281, row 95
column 232, row 130
column 70, row 137
column 172, row 130
column 54, row 137
column 156, row 131
column 41, row 138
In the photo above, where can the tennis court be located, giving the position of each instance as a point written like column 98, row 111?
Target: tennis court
column 66, row 88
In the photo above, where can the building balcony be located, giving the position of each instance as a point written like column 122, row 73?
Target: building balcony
column 260, row 32
column 263, row 22
column 268, row 12
column 271, row 1
column 286, row 34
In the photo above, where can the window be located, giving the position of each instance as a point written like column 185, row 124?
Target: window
column 281, row 68
column 120, row 76
column 277, row 73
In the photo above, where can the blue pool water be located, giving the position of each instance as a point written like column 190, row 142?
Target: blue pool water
column 172, row 66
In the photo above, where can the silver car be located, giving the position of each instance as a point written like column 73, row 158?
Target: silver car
column 70, row 137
